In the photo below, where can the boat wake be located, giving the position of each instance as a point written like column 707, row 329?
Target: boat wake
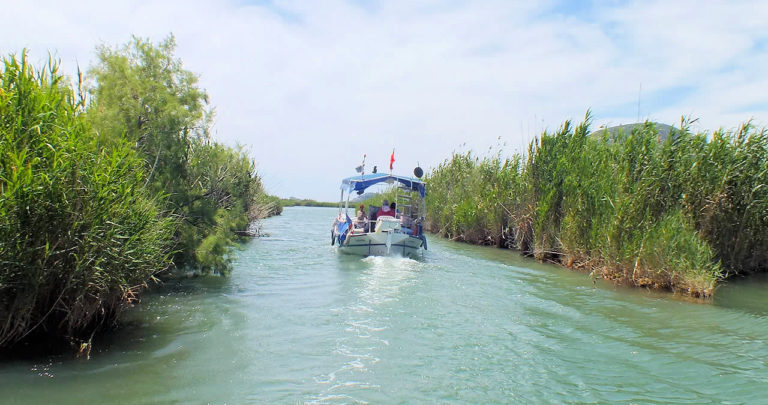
column 382, row 280
column 392, row 264
column 385, row 277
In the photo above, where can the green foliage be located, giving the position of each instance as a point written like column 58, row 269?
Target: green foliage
column 79, row 234
column 672, row 247
column 143, row 93
column 467, row 196
column 377, row 197
column 146, row 95
column 98, row 199
column 305, row 202
column 667, row 213
column 266, row 206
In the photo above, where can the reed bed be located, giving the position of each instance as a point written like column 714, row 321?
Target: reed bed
column 79, row 235
column 679, row 213
column 101, row 194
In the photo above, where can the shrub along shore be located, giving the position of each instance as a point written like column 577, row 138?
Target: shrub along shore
column 106, row 184
column 679, row 213
column 305, row 202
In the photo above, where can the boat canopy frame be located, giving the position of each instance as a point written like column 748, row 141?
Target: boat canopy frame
column 361, row 183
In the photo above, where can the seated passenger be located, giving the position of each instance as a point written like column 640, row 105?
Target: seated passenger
column 393, row 207
column 385, row 210
column 361, row 215
column 373, row 212
column 362, row 218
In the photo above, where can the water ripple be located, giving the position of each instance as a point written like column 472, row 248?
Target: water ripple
column 296, row 322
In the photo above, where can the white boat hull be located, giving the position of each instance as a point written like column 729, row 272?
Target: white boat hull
column 383, row 244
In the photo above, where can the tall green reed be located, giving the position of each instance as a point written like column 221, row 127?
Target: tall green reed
column 79, row 234
column 675, row 213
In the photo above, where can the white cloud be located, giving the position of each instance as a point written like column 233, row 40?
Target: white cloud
column 311, row 86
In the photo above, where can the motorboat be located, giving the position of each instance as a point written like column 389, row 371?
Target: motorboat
column 379, row 232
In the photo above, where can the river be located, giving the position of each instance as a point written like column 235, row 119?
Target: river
column 297, row 323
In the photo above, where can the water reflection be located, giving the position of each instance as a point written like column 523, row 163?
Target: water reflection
column 746, row 294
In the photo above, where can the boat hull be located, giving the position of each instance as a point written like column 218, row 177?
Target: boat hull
column 383, row 244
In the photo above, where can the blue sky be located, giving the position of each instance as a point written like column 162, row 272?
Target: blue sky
column 310, row 86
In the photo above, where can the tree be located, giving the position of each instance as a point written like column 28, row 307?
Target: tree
column 142, row 93
column 145, row 95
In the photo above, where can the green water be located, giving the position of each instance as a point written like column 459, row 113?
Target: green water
column 297, row 323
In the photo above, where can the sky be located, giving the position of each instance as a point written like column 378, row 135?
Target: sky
column 309, row 87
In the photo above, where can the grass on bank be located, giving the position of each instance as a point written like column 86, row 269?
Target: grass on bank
column 678, row 214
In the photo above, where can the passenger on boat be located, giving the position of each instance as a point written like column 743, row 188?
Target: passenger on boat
column 362, row 218
column 393, row 207
column 385, row 210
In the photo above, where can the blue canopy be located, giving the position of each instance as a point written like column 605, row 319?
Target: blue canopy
column 360, row 183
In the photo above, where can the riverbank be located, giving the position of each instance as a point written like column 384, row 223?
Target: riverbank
column 306, row 202
column 679, row 214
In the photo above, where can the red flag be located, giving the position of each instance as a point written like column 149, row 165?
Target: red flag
column 391, row 160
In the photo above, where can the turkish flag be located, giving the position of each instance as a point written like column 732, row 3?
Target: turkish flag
column 392, row 160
